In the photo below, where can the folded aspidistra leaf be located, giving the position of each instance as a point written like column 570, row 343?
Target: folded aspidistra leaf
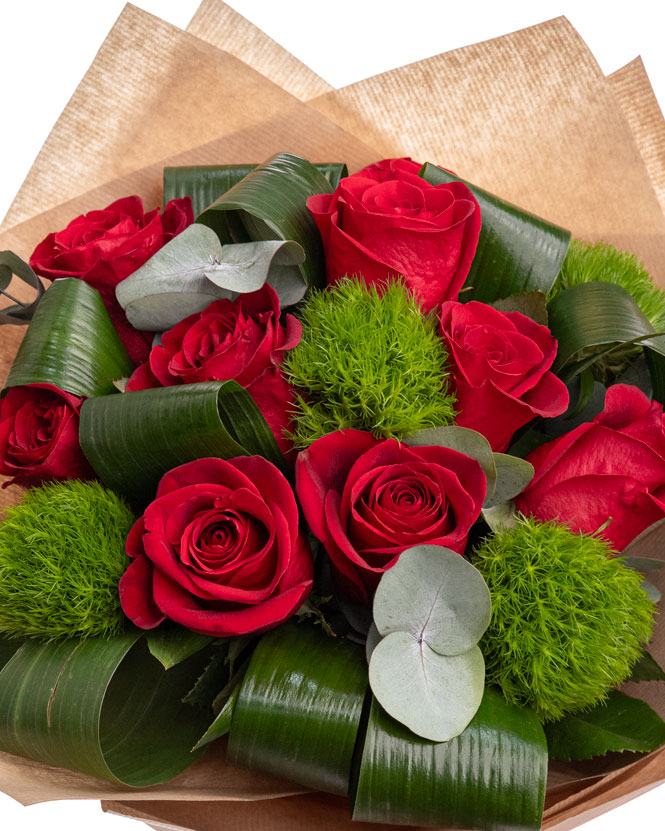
column 132, row 440
column 206, row 183
column 270, row 203
column 104, row 707
column 517, row 251
column 617, row 724
column 71, row 343
column 193, row 269
column 20, row 313
column 491, row 776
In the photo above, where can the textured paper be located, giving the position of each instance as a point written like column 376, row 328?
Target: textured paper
column 528, row 115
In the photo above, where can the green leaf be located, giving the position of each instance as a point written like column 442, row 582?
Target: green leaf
column 299, row 707
column 464, row 441
column 618, row 724
column 221, row 726
column 642, row 563
column 434, row 695
column 373, row 638
column 647, row 669
column 533, row 304
column 19, row 313
column 594, row 314
column 71, row 343
column 103, row 707
column 512, row 476
column 491, row 776
column 132, row 440
column 193, row 269
column 437, row 596
column 171, row 644
column 270, row 203
column 500, row 517
column 517, row 251
column 205, row 184
column 652, row 591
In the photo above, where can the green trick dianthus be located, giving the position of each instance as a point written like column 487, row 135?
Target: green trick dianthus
column 568, row 619
column 368, row 361
column 62, row 553
column 603, row 263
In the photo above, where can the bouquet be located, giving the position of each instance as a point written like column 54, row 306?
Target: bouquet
column 357, row 476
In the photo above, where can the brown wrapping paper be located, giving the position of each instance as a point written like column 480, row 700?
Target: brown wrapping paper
column 528, row 115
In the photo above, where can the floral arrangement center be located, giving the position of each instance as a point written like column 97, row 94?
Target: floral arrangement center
column 368, row 361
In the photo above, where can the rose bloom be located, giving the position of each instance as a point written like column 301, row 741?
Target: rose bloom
column 39, row 436
column 386, row 221
column 367, row 500
column 103, row 247
column 241, row 340
column 218, row 550
column 499, row 364
column 611, row 468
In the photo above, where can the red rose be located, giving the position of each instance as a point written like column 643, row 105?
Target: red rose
column 240, row 340
column 499, row 362
column 39, row 436
column 386, row 221
column 218, row 551
column 610, row 468
column 368, row 500
column 104, row 247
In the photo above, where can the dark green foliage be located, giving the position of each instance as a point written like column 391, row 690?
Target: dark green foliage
column 369, row 362
column 568, row 620
column 62, row 553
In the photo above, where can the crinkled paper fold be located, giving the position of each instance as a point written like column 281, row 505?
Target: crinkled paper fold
column 528, row 116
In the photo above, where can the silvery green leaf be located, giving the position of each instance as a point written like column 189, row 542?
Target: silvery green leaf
column 642, row 563
column 464, row 441
column 20, row 313
column 654, row 594
column 512, row 476
column 193, row 270
column 436, row 596
column 373, row 638
column 435, row 696
column 500, row 517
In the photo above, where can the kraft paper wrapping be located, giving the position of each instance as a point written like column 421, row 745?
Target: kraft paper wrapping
column 528, row 116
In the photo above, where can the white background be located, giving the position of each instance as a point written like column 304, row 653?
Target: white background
column 47, row 45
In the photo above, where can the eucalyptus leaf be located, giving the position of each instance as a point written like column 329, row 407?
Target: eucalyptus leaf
column 71, row 343
column 193, row 270
column 20, row 313
column 642, row 563
column 647, row 669
column 170, row 644
column 618, row 724
column 517, row 252
column 205, row 184
column 270, row 203
column 104, row 707
column 533, row 304
column 464, row 441
column 501, row 517
column 436, row 596
column 653, row 593
column 373, row 638
column 132, row 440
column 491, row 776
column 512, row 476
column 434, row 695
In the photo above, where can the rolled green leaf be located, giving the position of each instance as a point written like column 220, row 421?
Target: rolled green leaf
column 103, row 707
column 517, row 251
column 299, row 707
column 132, row 439
column 617, row 724
column 20, row 313
column 270, row 203
column 206, row 183
column 492, row 776
column 71, row 343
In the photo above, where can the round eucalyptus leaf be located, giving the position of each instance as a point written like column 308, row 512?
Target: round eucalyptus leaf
column 500, row 517
column 512, row 476
column 435, row 595
column 435, row 696
column 373, row 638
column 464, row 441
